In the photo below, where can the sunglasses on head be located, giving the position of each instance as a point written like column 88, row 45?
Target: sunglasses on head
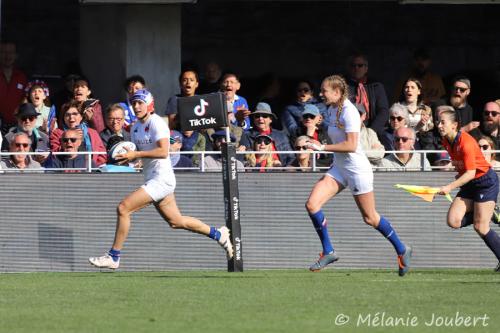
column 20, row 144
column 66, row 140
column 462, row 90
column 358, row 65
column 402, row 138
column 484, row 147
column 264, row 140
column 399, row 118
column 491, row 113
column 30, row 118
column 308, row 116
column 304, row 90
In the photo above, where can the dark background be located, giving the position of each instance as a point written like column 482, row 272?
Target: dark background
column 288, row 40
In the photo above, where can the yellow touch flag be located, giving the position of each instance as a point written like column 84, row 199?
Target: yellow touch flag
column 425, row 192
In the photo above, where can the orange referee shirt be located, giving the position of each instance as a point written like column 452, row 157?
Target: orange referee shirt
column 466, row 154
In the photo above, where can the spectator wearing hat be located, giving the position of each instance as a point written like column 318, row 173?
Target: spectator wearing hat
column 230, row 84
column 26, row 123
column 310, row 125
column 292, row 115
column 398, row 117
column 442, row 162
column 20, row 142
column 234, row 129
column 91, row 141
column 179, row 161
column 369, row 141
column 115, row 123
column 71, row 141
column 263, row 160
column 188, row 82
column 262, row 119
column 12, row 85
column 213, row 162
column 91, row 108
column 403, row 159
column 37, row 93
column 131, row 85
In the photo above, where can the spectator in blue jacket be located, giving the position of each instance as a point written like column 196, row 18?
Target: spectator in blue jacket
column 262, row 118
column 292, row 115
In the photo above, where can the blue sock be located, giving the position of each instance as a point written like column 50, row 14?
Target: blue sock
column 115, row 254
column 319, row 222
column 492, row 240
column 386, row 229
column 214, row 233
column 467, row 220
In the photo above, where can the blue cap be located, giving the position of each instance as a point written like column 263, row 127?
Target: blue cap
column 311, row 109
column 222, row 134
column 175, row 136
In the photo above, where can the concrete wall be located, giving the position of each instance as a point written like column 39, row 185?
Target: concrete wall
column 121, row 40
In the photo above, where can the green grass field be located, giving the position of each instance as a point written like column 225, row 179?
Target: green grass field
column 253, row 301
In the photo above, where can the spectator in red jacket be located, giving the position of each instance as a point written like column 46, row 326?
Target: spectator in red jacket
column 91, row 141
column 12, row 85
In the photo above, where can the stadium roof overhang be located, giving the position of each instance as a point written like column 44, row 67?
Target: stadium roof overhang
column 423, row 2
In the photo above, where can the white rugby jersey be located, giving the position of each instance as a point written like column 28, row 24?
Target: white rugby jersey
column 348, row 122
column 145, row 135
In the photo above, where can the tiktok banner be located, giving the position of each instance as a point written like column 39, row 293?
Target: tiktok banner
column 202, row 111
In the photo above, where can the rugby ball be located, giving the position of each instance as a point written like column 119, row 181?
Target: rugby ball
column 120, row 148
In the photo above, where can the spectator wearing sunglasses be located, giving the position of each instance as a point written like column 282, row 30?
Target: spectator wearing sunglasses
column 91, row 141
column 302, row 161
column 213, row 162
column 487, row 145
column 292, row 115
column 398, row 117
column 403, row 159
column 262, row 119
column 460, row 91
column 263, row 159
column 490, row 123
column 368, row 92
column 20, row 142
column 310, row 126
column 26, row 123
column 71, row 141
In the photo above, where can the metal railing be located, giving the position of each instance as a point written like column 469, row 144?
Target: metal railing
column 203, row 154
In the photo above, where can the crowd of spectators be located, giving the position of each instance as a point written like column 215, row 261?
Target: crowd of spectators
column 268, row 136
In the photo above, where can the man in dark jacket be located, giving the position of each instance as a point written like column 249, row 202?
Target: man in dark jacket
column 70, row 142
column 369, row 93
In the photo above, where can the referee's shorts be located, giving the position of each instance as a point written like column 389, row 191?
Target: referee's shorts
column 482, row 189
